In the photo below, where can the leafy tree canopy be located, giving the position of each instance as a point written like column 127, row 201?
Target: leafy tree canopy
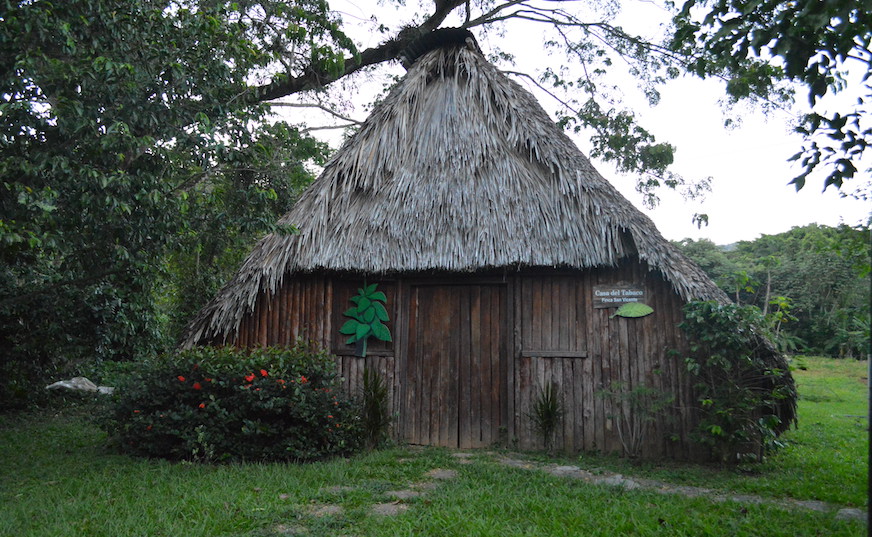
column 755, row 45
column 127, row 149
column 812, row 281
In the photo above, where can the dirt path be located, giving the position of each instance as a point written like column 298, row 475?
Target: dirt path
column 431, row 479
column 661, row 487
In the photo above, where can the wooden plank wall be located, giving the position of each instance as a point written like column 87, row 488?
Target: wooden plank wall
column 587, row 352
column 351, row 368
column 550, row 334
column 298, row 310
column 454, row 389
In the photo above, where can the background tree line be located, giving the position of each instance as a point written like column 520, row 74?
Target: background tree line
column 812, row 283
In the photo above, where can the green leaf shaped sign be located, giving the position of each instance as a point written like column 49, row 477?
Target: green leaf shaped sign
column 633, row 309
column 367, row 317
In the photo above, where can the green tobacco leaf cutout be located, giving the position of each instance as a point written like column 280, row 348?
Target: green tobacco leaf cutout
column 363, row 330
column 381, row 332
column 350, row 327
column 633, row 309
column 380, row 312
column 367, row 317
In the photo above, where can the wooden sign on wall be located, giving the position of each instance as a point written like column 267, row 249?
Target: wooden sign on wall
column 613, row 296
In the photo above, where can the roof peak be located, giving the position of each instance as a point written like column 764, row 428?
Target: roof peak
column 439, row 38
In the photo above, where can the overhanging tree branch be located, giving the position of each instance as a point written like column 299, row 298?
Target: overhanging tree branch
column 319, row 106
column 389, row 50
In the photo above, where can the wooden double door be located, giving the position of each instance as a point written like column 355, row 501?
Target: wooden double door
column 456, row 365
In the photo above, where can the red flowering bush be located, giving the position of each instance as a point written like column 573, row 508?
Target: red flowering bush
column 227, row 404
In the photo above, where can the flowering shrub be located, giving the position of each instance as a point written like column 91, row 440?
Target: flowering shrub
column 227, row 404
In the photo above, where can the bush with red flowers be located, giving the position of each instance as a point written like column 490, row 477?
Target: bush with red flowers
column 227, row 404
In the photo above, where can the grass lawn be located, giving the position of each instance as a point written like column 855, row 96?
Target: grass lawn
column 58, row 480
column 824, row 459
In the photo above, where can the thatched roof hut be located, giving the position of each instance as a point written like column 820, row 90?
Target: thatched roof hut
column 460, row 181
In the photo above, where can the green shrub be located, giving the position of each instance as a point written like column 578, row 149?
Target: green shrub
column 742, row 384
column 227, row 404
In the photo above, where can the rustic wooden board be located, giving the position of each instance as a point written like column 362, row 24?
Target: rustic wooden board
column 507, row 338
column 454, row 351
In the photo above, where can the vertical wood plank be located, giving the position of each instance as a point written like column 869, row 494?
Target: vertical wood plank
column 452, row 357
column 281, row 334
column 561, row 322
column 569, row 405
column 472, row 315
column 409, row 416
column 263, row 319
column 488, row 319
column 584, row 384
column 523, row 403
column 400, row 336
column 505, row 360
column 536, row 324
column 602, row 371
column 513, row 398
column 545, row 312
column 525, row 316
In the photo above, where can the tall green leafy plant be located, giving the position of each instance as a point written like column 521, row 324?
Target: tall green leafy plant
column 129, row 140
column 738, row 387
column 367, row 317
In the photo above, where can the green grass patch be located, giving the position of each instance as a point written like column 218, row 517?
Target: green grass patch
column 824, row 459
column 58, row 479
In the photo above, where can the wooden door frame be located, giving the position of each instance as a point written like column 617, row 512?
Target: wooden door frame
column 507, row 344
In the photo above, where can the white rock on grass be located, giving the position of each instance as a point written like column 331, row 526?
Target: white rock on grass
column 80, row 384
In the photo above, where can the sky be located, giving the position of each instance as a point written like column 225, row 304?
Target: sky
column 747, row 164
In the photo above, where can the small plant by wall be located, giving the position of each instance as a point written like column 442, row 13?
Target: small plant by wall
column 634, row 410
column 739, row 386
column 547, row 414
column 227, row 404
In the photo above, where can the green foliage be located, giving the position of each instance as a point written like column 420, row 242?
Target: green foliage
column 367, row 317
column 589, row 104
column 226, row 214
column 757, row 45
column 130, row 156
column 375, row 414
column 709, row 256
column 812, row 283
column 224, row 404
column 546, row 415
column 736, row 384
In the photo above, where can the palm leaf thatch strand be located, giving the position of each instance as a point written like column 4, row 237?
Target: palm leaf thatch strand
column 458, row 169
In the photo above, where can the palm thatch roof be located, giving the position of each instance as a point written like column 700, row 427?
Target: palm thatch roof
column 458, row 169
